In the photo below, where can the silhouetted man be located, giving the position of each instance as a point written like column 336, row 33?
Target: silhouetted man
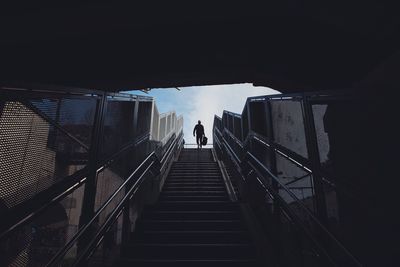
column 199, row 130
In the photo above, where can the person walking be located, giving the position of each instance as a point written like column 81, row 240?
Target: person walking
column 199, row 131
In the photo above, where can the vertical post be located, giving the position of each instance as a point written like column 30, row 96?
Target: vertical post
column 249, row 147
column 313, row 155
column 274, row 169
column 151, row 120
column 126, row 220
column 271, row 139
column 89, row 196
column 248, row 116
column 135, row 117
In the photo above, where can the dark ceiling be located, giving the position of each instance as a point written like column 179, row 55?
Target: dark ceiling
column 114, row 45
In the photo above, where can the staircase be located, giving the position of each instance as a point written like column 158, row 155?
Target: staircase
column 193, row 223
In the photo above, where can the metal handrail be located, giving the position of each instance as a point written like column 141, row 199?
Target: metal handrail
column 168, row 149
column 226, row 144
column 168, row 153
column 22, row 216
column 152, row 159
column 234, row 138
column 292, row 214
column 296, row 160
column 275, row 147
column 112, row 217
column 304, row 208
column 71, row 183
column 83, row 229
column 137, row 141
column 249, row 158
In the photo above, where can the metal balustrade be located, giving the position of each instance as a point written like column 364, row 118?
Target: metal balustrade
column 76, row 166
column 281, row 150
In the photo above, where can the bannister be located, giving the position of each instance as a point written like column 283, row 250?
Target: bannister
column 264, row 171
column 258, row 136
column 168, row 154
column 78, row 147
column 151, row 161
column 95, row 241
column 24, row 212
column 27, row 211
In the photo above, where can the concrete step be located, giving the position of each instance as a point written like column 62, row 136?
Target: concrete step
column 125, row 262
column 195, row 176
column 188, row 251
column 194, row 198
column 193, row 179
column 194, row 205
column 193, row 192
column 193, row 184
column 190, row 225
column 184, row 237
column 191, row 215
column 198, row 187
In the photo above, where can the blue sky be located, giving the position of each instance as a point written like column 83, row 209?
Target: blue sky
column 203, row 102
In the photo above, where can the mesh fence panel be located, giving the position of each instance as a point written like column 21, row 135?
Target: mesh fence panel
column 46, row 137
column 118, row 126
column 144, row 118
column 288, row 126
column 76, row 114
column 297, row 180
column 258, row 117
column 41, row 144
column 36, row 243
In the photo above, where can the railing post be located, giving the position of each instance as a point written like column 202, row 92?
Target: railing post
column 126, row 219
column 273, row 168
column 277, row 212
column 89, row 196
column 313, row 155
column 249, row 122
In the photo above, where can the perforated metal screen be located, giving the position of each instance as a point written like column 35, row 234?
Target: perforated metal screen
column 42, row 140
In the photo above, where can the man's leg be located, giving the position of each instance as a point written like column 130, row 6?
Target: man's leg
column 198, row 141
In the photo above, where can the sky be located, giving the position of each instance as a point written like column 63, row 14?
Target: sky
column 203, row 102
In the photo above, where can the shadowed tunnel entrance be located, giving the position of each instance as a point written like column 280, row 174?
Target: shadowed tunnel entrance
column 314, row 170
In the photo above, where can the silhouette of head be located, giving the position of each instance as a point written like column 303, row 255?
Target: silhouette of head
column 199, row 122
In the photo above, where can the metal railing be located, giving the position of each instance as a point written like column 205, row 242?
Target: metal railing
column 238, row 137
column 254, row 165
column 99, row 148
column 137, row 177
column 346, row 258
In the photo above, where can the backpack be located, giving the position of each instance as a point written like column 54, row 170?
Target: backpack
column 204, row 142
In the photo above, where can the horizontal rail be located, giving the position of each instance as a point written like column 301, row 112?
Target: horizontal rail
column 137, row 141
column 265, row 170
column 55, row 124
column 294, row 158
column 150, row 161
column 112, row 218
column 168, row 154
column 234, row 138
column 25, row 212
column 84, row 228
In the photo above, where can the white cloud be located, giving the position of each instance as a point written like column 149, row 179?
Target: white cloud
column 207, row 101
